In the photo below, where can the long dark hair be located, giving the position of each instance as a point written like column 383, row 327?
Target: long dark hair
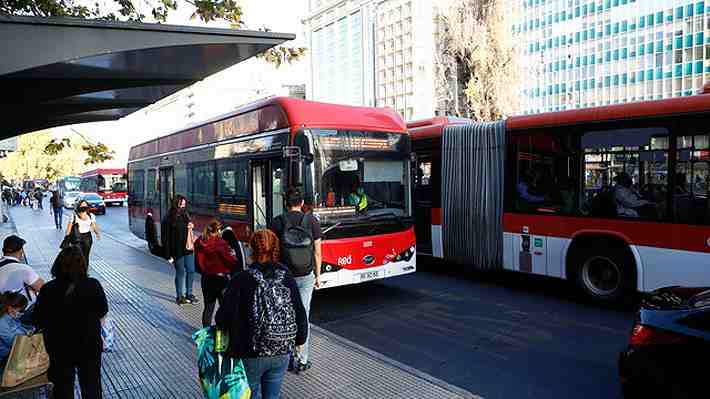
column 70, row 265
column 9, row 299
column 175, row 208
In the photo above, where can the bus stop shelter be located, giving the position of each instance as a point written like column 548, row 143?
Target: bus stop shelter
column 62, row 71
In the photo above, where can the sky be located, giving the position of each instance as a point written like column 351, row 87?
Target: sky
column 218, row 93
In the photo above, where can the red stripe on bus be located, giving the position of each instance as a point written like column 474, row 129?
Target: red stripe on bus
column 652, row 234
column 436, row 216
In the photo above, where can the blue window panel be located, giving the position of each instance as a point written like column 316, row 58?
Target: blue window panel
column 576, row 86
column 679, row 13
column 632, row 27
column 557, row 88
column 607, row 81
column 624, row 26
column 607, row 29
column 688, row 68
column 688, row 41
column 649, row 19
column 592, row 33
column 563, row 40
column 592, row 83
column 624, row 79
column 537, row 23
column 584, row 10
column 600, row 60
column 584, row 61
column 678, row 70
column 563, row 16
column 624, row 53
column 699, row 38
column 632, row 54
column 659, row 17
column 584, row 36
column 557, row 66
column 592, row 7
column 592, row 59
column 659, row 46
column 563, row 88
column 616, row 28
column 607, row 56
column 577, row 12
column 584, row 85
column 667, row 75
column 615, row 3
column 632, row 78
column 607, row 4
column 557, row 42
column 649, row 74
column 537, row 47
column 659, row 73
column 678, row 42
column 698, row 67
column 615, row 56
column 577, row 62
column 549, row 43
column 615, row 81
column 642, row 50
column 707, row 69
column 642, row 22
column 624, row 2
column 689, row 10
column 577, row 36
column 557, row 17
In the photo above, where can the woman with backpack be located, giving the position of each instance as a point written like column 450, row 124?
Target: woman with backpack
column 86, row 223
column 178, row 245
column 217, row 261
column 263, row 314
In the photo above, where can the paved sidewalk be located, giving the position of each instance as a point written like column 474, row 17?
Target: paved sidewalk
column 154, row 355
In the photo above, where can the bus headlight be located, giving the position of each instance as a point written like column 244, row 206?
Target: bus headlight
column 407, row 255
column 329, row 267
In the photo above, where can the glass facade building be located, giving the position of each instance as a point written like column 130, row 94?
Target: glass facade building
column 587, row 53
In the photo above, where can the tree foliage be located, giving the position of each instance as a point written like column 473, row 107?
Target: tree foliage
column 482, row 51
column 32, row 161
column 126, row 10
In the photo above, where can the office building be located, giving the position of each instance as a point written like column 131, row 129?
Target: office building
column 587, row 53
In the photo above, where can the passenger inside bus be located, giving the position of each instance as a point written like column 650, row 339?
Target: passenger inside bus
column 628, row 201
column 357, row 197
column 529, row 189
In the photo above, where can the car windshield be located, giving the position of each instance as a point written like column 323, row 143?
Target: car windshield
column 91, row 198
column 71, row 194
column 358, row 175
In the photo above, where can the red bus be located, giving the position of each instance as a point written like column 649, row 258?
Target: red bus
column 235, row 167
column 614, row 199
column 110, row 184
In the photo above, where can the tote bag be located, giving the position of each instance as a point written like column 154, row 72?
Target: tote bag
column 28, row 359
column 221, row 378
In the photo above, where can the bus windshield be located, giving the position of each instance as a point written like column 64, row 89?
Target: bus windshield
column 358, row 175
column 71, row 183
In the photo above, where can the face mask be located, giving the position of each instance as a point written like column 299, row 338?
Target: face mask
column 83, row 209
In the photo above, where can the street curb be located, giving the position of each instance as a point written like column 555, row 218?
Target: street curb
column 394, row 363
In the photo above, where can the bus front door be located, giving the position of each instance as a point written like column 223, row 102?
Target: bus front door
column 423, row 205
column 267, row 182
column 166, row 190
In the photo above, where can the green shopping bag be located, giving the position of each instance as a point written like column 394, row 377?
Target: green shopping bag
column 221, row 378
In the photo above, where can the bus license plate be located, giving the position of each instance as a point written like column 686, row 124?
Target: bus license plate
column 369, row 275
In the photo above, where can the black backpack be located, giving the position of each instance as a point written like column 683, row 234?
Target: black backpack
column 273, row 315
column 297, row 249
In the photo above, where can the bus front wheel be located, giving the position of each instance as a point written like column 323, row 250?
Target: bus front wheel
column 604, row 273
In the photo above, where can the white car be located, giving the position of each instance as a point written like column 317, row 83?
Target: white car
column 69, row 198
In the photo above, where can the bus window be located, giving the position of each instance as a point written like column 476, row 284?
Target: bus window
column 625, row 173
column 226, row 178
column 136, row 185
column 544, row 170
column 202, row 185
column 692, row 178
column 277, row 188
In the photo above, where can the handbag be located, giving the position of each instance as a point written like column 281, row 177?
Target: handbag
column 220, row 379
column 73, row 237
column 28, row 359
column 108, row 333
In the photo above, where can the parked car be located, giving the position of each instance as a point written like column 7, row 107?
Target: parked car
column 69, row 198
column 669, row 344
column 96, row 203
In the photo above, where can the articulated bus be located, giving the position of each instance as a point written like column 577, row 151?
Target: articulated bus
column 237, row 166
column 67, row 184
column 614, row 199
column 110, row 184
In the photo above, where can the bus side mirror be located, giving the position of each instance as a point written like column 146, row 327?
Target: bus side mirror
column 295, row 162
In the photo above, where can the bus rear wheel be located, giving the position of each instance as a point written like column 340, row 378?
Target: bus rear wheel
column 604, row 274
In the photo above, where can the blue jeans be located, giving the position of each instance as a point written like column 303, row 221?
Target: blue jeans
column 58, row 216
column 265, row 375
column 305, row 286
column 184, row 274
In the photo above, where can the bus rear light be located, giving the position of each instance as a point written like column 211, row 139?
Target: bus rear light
column 643, row 335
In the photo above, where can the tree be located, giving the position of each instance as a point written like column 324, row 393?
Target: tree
column 31, row 161
column 481, row 52
column 126, row 10
column 95, row 152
